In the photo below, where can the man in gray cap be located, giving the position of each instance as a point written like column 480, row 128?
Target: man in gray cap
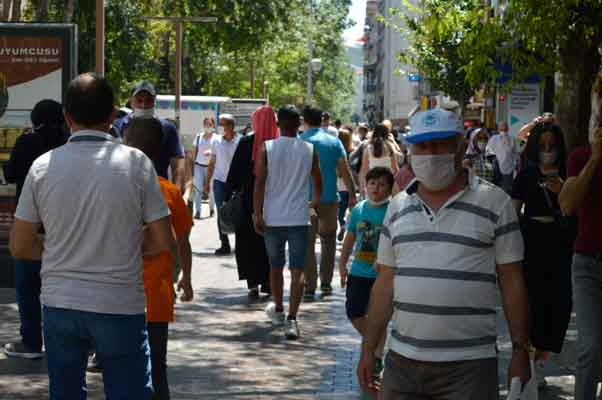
column 445, row 243
column 143, row 105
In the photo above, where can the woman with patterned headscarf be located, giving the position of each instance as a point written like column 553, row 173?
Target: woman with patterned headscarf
column 251, row 255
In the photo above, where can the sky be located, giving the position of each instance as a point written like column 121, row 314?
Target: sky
column 357, row 13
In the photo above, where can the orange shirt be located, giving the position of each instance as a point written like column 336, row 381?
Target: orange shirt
column 158, row 269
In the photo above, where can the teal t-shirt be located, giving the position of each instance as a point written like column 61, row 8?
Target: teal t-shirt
column 365, row 222
column 330, row 150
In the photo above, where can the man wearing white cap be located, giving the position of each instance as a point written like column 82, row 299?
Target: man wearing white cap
column 143, row 103
column 446, row 240
column 222, row 153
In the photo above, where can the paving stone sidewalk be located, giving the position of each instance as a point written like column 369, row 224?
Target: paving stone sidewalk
column 222, row 346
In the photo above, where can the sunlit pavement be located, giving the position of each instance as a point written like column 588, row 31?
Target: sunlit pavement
column 223, row 346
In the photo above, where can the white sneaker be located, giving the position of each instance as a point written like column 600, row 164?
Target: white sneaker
column 292, row 329
column 19, row 350
column 277, row 317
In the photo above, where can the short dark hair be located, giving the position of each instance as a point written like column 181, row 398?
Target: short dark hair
column 325, row 115
column 379, row 172
column 145, row 134
column 288, row 117
column 312, row 116
column 338, row 122
column 90, row 100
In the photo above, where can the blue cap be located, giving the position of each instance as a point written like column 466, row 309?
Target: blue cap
column 434, row 124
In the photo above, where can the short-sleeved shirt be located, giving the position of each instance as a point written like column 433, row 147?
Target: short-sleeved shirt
column 445, row 293
column 365, row 223
column 93, row 197
column 224, row 150
column 505, row 148
column 158, row 269
column 171, row 142
column 589, row 237
column 330, row 150
column 204, row 147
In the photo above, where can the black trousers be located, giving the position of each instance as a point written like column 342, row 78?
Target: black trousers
column 157, row 339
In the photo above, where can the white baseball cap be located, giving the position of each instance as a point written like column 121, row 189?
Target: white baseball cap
column 434, row 124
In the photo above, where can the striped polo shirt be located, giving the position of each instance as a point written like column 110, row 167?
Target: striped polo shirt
column 445, row 292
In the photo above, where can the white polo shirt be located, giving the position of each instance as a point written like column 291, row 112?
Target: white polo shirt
column 445, row 271
column 224, row 152
column 93, row 197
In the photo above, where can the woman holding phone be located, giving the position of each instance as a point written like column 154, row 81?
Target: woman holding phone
column 548, row 245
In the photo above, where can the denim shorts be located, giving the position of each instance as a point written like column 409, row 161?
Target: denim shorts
column 276, row 238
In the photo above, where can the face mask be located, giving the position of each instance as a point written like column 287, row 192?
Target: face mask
column 435, row 172
column 548, row 157
column 481, row 146
column 144, row 112
column 378, row 203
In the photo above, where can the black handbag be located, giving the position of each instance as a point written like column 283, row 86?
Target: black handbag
column 232, row 213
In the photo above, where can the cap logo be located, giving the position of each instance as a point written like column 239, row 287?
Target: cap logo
column 430, row 120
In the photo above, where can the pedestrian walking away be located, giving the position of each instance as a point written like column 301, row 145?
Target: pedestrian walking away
column 217, row 172
column 582, row 196
column 281, row 211
column 365, row 225
column 50, row 131
column 379, row 153
column 333, row 161
column 147, row 136
column 251, row 255
column 83, row 192
column 445, row 242
column 143, row 101
column 346, row 140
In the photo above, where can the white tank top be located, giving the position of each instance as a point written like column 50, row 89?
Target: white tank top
column 287, row 185
column 383, row 161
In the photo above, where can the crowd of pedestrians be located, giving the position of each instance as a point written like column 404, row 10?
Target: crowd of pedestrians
column 436, row 225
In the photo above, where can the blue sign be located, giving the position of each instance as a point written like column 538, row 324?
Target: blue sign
column 414, row 77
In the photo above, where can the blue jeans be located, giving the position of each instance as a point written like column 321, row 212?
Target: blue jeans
column 220, row 195
column 27, row 285
column 121, row 344
column 276, row 238
column 587, row 297
column 343, row 204
column 200, row 175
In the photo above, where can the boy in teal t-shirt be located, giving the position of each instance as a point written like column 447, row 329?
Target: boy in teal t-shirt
column 363, row 232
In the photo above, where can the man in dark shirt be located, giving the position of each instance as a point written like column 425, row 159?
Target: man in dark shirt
column 582, row 196
column 143, row 103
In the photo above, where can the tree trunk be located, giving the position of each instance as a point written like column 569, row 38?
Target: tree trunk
column 6, row 10
column 16, row 13
column 69, row 10
column 580, row 65
column 41, row 10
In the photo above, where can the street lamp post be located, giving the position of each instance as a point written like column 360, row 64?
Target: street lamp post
column 314, row 65
column 179, row 25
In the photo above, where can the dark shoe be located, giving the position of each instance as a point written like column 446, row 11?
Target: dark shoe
column 211, row 213
column 223, row 251
column 326, row 290
column 19, row 350
column 341, row 235
column 254, row 294
column 197, row 216
column 309, row 296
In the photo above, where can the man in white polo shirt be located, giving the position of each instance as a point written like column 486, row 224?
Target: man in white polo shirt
column 445, row 241
column 222, row 153
column 98, row 202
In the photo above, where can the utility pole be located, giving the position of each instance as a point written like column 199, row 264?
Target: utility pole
column 100, row 37
column 179, row 25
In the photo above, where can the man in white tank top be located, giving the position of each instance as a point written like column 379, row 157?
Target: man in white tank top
column 281, row 211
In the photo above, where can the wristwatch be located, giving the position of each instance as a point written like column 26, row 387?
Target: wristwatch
column 521, row 346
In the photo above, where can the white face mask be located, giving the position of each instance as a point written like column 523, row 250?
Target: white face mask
column 378, row 203
column 144, row 112
column 548, row 158
column 481, row 146
column 435, row 172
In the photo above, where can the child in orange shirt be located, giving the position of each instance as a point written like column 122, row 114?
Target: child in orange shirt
column 147, row 136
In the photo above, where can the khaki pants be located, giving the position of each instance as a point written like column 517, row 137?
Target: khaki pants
column 406, row 379
column 324, row 225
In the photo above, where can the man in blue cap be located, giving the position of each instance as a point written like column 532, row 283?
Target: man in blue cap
column 445, row 242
